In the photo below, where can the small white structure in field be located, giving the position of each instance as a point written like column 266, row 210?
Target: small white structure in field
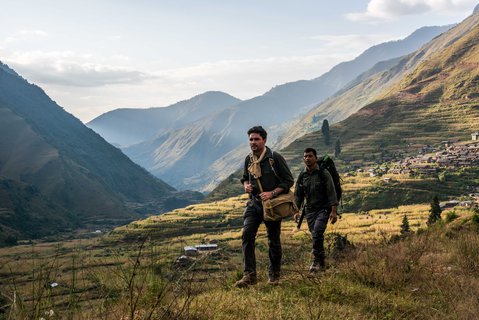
column 207, row 247
column 190, row 251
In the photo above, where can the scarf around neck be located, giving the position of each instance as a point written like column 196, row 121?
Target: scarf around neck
column 254, row 166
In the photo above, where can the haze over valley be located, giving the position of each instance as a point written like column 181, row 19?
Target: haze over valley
column 123, row 139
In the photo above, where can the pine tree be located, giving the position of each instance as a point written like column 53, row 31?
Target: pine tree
column 337, row 148
column 325, row 131
column 405, row 226
column 434, row 212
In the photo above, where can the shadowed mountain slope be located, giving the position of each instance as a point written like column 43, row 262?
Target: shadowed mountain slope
column 69, row 171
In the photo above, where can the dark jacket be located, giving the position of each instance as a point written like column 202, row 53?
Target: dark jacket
column 269, row 180
column 317, row 187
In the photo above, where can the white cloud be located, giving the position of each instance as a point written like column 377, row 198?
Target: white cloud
column 25, row 35
column 87, row 86
column 393, row 9
column 69, row 69
column 244, row 79
column 36, row 33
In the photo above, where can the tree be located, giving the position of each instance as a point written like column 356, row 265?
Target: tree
column 434, row 212
column 325, row 131
column 405, row 226
column 337, row 148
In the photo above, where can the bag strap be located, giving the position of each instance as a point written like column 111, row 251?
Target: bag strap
column 259, row 185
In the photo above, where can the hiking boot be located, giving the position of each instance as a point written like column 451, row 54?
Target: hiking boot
column 316, row 267
column 247, row 280
column 273, row 280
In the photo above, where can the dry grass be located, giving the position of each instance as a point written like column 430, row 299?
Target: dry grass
column 130, row 274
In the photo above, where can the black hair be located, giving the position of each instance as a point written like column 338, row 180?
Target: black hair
column 308, row 150
column 259, row 130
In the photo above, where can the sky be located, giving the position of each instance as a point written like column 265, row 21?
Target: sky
column 92, row 56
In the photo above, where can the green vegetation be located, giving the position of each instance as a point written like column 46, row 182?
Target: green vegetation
column 63, row 175
column 434, row 212
column 132, row 274
column 326, row 133
column 337, row 148
column 405, row 228
column 451, row 216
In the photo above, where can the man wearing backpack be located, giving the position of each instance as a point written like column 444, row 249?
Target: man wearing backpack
column 265, row 176
column 316, row 186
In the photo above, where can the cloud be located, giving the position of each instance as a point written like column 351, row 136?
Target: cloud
column 392, row 9
column 36, row 33
column 25, row 34
column 69, row 69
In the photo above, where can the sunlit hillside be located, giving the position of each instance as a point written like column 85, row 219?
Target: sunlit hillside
column 134, row 271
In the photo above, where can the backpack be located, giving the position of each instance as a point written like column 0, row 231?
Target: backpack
column 326, row 163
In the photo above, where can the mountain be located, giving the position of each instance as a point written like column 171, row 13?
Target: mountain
column 345, row 72
column 278, row 107
column 56, row 173
column 200, row 154
column 370, row 85
column 436, row 100
column 125, row 127
column 429, row 96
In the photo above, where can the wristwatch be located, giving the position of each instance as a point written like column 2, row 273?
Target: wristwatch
column 273, row 194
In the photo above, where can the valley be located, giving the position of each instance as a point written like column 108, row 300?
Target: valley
column 111, row 223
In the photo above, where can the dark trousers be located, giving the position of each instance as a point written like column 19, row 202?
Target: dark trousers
column 252, row 218
column 317, row 222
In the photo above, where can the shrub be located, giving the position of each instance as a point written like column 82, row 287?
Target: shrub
column 475, row 219
column 451, row 216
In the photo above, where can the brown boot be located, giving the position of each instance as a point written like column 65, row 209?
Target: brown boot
column 317, row 266
column 273, row 279
column 247, row 280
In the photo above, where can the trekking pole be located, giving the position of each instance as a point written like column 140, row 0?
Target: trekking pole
column 301, row 217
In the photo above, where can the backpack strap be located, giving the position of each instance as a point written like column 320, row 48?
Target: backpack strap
column 271, row 163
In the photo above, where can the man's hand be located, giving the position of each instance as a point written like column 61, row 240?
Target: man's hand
column 248, row 187
column 267, row 195
column 296, row 216
column 333, row 217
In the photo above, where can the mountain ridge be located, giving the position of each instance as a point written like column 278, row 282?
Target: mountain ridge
column 68, row 167
column 427, row 94
column 129, row 126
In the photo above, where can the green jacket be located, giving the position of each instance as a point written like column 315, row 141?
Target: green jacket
column 317, row 188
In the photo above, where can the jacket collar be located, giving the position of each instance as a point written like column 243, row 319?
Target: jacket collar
column 315, row 168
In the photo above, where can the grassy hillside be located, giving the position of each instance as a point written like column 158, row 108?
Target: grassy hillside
column 132, row 272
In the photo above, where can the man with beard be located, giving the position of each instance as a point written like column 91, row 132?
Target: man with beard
column 265, row 176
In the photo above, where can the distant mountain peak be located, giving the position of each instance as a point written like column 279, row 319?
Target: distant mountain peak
column 7, row 69
column 476, row 9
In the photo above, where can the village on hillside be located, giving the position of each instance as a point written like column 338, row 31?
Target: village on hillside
column 432, row 161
